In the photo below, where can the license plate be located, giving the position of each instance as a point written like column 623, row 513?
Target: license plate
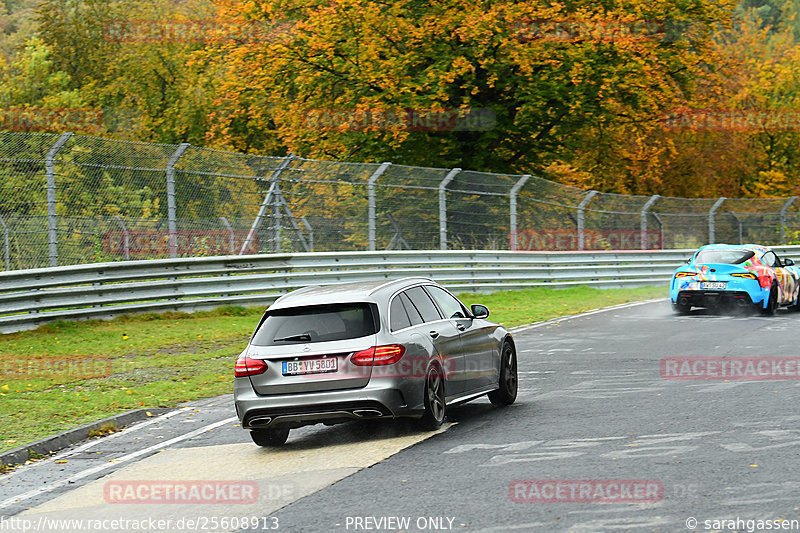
column 713, row 285
column 310, row 366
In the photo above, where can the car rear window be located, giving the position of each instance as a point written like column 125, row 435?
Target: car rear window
column 730, row 257
column 316, row 324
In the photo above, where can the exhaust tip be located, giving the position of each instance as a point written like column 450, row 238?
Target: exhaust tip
column 367, row 413
column 683, row 300
column 260, row 421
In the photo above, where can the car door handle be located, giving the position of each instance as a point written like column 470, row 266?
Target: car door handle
column 434, row 334
column 461, row 327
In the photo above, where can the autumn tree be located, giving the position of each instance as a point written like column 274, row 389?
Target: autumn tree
column 570, row 98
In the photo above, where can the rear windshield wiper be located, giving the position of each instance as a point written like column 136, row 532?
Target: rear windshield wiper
column 296, row 338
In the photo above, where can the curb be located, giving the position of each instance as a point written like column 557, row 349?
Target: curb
column 60, row 441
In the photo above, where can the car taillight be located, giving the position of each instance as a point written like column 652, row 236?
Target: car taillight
column 748, row 275
column 684, row 274
column 246, row 366
column 378, row 355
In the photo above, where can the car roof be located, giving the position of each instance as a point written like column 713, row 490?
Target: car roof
column 362, row 291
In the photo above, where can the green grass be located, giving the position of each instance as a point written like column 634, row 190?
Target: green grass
column 69, row 373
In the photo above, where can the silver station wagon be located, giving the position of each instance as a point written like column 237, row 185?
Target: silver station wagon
column 404, row 348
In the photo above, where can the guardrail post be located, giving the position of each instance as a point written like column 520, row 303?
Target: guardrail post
column 739, row 222
column 126, row 243
column 171, row 216
column 443, row 207
column 6, row 251
column 52, row 217
column 784, row 209
column 589, row 197
column 513, row 208
column 230, row 231
column 371, row 216
column 711, row 222
column 276, row 174
column 645, row 209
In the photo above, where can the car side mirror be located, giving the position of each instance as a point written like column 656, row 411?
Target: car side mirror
column 479, row 311
column 788, row 262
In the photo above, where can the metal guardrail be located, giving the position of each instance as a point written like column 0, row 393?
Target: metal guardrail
column 29, row 298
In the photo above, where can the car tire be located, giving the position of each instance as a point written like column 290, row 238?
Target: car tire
column 772, row 303
column 506, row 394
column 434, row 400
column 269, row 437
column 795, row 307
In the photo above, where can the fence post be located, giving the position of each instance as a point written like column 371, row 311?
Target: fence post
column 52, row 218
column 126, row 243
column 276, row 174
column 371, row 216
column 589, row 197
column 739, row 223
column 711, row 222
column 660, row 227
column 443, row 207
column 513, row 208
column 230, row 231
column 785, row 208
column 310, row 231
column 173, row 225
column 653, row 199
column 276, row 219
column 6, row 251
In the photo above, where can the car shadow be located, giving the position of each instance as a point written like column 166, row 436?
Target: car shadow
column 320, row 436
column 721, row 311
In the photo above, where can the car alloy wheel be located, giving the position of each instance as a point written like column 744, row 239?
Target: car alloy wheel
column 434, row 399
column 772, row 303
column 507, row 393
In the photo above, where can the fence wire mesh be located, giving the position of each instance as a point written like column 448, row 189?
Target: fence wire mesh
column 73, row 199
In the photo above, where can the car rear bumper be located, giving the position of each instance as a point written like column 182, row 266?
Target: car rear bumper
column 329, row 407
column 696, row 298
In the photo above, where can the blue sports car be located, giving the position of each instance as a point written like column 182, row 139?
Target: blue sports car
column 728, row 275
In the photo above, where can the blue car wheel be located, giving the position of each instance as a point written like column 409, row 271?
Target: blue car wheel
column 772, row 303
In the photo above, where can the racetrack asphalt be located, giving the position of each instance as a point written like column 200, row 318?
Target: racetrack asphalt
column 593, row 408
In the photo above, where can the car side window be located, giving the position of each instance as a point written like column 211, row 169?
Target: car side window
column 413, row 314
column 398, row 318
column 448, row 303
column 424, row 304
column 770, row 259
